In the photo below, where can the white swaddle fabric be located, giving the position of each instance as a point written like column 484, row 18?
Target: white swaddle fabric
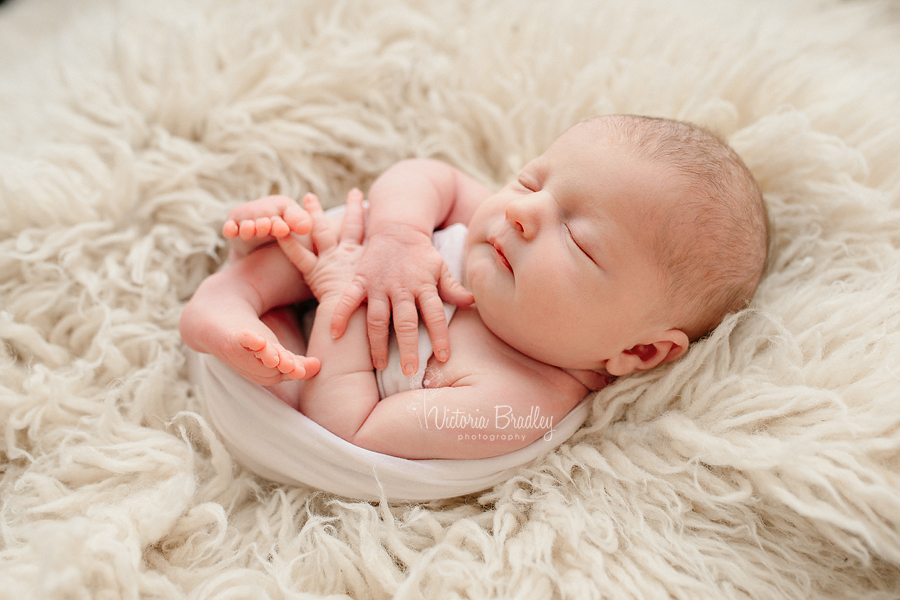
column 279, row 443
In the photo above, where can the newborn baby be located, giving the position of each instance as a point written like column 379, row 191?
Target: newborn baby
column 626, row 240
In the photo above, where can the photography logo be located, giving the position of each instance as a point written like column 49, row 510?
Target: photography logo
column 502, row 423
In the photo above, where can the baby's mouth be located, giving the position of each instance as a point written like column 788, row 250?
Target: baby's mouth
column 501, row 256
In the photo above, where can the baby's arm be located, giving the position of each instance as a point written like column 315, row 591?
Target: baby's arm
column 400, row 267
column 487, row 415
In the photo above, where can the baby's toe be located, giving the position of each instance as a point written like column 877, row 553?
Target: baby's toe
column 247, row 229
column 230, row 229
column 263, row 226
column 264, row 352
column 251, row 341
column 286, row 362
column 307, row 367
column 269, row 356
column 279, row 227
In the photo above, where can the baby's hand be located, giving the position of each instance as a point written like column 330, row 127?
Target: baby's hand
column 329, row 269
column 254, row 223
column 397, row 271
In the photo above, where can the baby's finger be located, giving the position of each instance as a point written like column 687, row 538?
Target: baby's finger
column 350, row 301
column 353, row 227
column 378, row 324
column 279, row 228
column 322, row 235
column 452, row 291
column 406, row 326
column 302, row 257
column 297, row 219
column 435, row 320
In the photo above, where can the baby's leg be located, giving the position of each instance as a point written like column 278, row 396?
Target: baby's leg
column 259, row 222
column 223, row 317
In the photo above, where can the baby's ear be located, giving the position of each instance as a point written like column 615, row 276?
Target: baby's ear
column 666, row 347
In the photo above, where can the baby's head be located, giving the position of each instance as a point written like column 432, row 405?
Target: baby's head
column 712, row 244
column 627, row 239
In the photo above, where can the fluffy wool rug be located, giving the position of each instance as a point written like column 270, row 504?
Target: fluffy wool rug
column 765, row 464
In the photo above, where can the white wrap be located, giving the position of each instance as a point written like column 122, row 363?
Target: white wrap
column 279, row 443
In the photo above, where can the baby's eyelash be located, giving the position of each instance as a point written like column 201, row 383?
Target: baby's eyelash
column 574, row 241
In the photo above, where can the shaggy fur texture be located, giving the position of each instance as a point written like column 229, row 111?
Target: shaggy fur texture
column 765, row 464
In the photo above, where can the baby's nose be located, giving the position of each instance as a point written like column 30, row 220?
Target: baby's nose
column 524, row 214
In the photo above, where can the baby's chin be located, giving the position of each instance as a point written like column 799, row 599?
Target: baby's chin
column 522, row 340
column 517, row 338
column 484, row 307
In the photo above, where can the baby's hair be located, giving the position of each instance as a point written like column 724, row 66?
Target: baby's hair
column 712, row 248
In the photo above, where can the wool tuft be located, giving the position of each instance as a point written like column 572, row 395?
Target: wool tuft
column 763, row 464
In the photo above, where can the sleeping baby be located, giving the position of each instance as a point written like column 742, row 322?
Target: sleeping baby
column 626, row 240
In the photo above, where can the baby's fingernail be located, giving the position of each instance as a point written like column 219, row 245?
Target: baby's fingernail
column 442, row 355
column 379, row 363
column 334, row 334
column 408, row 369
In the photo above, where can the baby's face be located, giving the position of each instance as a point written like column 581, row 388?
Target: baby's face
column 560, row 260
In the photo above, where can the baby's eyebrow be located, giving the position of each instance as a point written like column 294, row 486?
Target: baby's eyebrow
column 527, row 171
column 526, row 180
column 533, row 169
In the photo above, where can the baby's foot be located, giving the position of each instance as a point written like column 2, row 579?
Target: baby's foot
column 274, row 216
column 280, row 362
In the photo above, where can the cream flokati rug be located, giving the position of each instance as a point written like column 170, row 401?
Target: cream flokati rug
column 766, row 464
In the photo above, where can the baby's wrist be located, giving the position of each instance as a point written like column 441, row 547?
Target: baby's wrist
column 399, row 230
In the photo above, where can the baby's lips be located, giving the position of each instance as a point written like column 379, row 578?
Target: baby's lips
column 502, row 257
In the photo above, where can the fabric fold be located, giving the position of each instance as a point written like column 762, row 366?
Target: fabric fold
column 279, row 443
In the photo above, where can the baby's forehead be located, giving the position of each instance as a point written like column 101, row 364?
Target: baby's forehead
column 589, row 146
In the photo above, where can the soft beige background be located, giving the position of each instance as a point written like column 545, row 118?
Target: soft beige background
column 766, row 464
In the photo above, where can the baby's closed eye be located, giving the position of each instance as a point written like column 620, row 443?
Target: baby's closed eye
column 577, row 244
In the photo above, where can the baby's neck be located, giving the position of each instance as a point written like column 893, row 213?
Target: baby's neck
column 592, row 380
